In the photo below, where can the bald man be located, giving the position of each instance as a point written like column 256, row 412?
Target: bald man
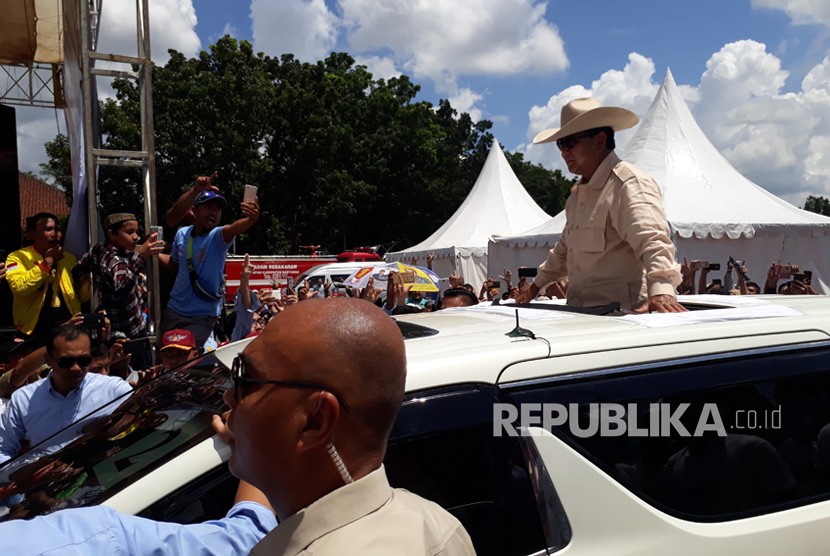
column 314, row 398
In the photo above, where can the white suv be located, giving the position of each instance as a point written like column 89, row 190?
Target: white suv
column 543, row 431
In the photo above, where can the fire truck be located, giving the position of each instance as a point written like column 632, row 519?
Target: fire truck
column 281, row 270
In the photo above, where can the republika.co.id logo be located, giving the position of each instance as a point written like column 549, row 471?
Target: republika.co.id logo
column 613, row 419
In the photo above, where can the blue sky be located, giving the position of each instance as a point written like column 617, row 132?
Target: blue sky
column 755, row 73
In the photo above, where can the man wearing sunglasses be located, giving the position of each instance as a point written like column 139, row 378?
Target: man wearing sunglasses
column 311, row 408
column 311, row 411
column 616, row 244
column 41, row 409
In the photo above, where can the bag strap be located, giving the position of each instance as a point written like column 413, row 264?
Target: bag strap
column 198, row 288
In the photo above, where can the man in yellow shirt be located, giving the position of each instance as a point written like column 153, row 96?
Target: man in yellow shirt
column 40, row 279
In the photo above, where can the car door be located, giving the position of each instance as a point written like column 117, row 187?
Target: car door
column 753, row 478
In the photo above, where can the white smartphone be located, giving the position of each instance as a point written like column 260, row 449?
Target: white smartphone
column 249, row 194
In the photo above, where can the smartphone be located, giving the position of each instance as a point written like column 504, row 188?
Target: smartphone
column 714, row 266
column 808, row 277
column 93, row 321
column 408, row 277
column 138, row 344
column 159, row 232
column 249, row 194
column 496, row 284
column 525, row 272
column 716, row 281
column 3, row 256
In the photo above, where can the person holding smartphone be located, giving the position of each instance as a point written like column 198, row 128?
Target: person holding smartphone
column 116, row 267
column 198, row 258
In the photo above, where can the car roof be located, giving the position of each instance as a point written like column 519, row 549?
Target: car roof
column 473, row 344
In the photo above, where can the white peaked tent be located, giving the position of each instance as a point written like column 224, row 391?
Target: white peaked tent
column 497, row 204
column 714, row 211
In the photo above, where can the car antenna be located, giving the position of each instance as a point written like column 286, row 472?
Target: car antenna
column 520, row 332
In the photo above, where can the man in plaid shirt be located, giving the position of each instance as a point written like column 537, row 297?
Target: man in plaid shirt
column 116, row 267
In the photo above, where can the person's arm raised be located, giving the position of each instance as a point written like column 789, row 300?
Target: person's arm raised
column 250, row 214
column 185, row 201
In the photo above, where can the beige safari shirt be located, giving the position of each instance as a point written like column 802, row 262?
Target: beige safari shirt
column 616, row 244
column 370, row 518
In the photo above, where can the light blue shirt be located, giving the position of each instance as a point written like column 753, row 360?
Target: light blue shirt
column 244, row 317
column 209, row 251
column 100, row 531
column 37, row 411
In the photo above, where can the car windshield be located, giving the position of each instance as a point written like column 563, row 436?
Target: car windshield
column 103, row 452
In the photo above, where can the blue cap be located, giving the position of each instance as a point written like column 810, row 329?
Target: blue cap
column 208, row 197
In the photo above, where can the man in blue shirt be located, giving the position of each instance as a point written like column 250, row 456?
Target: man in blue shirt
column 43, row 408
column 198, row 258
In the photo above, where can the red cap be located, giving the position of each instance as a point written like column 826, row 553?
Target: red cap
column 178, row 338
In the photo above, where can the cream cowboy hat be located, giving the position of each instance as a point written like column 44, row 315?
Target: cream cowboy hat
column 586, row 113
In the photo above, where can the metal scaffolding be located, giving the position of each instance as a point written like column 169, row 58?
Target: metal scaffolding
column 32, row 84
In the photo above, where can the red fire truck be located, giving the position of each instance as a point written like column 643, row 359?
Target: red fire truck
column 279, row 269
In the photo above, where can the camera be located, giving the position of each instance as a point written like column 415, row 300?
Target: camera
column 93, row 321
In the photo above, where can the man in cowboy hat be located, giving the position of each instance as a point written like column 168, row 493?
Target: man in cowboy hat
column 616, row 243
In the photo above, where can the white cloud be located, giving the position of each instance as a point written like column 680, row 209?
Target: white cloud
column 444, row 41
column 230, row 29
column 172, row 25
column 780, row 141
column 772, row 138
column 35, row 126
column 799, row 11
column 381, row 67
column 472, row 37
column 305, row 28
column 465, row 100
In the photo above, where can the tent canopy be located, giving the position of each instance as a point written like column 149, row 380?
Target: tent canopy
column 31, row 31
column 704, row 195
column 714, row 211
column 498, row 204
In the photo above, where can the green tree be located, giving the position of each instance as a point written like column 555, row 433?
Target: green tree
column 341, row 159
column 59, row 167
column 819, row 205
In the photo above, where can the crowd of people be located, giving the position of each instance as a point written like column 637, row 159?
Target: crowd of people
column 66, row 362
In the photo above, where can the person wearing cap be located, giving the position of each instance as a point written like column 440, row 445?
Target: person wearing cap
column 616, row 244
column 198, row 258
column 177, row 347
column 116, row 266
column 40, row 278
column 308, row 428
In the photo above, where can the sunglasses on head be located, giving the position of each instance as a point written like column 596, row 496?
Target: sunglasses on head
column 67, row 362
column 570, row 141
column 238, row 377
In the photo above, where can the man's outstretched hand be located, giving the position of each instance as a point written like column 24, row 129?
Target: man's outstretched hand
column 662, row 303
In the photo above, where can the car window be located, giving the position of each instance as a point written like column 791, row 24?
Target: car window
column 757, row 429
column 442, row 447
column 116, row 447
